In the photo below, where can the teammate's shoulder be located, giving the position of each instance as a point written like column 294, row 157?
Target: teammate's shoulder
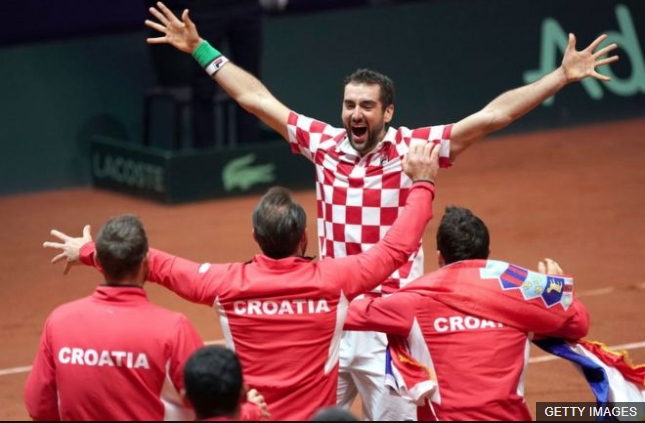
column 71, row 310
column 73, row 305
column 163, row 312
column 167, row 318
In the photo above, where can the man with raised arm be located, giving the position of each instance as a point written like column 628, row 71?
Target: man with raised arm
column 460, row 336
column 360, row 185
column 282, row 313
column 113, row 355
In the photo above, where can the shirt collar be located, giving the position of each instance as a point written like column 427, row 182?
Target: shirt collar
column 120, row 294
column 282, row 264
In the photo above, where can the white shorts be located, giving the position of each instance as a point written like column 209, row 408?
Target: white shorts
column 362, row 371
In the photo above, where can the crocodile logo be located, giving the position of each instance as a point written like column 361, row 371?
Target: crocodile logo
column 239, row 173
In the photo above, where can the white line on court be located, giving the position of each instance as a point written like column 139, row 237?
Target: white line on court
column 15, row 370
column 596, row 292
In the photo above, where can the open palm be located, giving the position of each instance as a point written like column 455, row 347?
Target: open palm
column 581, row 64
column 182, row 34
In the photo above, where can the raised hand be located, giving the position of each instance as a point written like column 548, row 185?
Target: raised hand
column 255, row 397
column 181, row 34
column 70, row 247
column 422, row 162
column 550, row 267
column 582, row 64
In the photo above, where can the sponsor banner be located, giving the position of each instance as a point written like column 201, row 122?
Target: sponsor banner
column 454, row 57
column 181, row 176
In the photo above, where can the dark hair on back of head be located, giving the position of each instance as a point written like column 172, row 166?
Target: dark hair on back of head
column 333, row 414
column 121, row 246
column 213, row 381
column 370, row 77
column 279, row 223
column 462, row 236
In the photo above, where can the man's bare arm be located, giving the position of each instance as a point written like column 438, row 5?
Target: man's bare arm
column 512, row 105
column 243, row 87
column 254, row 97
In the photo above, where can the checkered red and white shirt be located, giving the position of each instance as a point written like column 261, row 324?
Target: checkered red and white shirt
column 359, row 198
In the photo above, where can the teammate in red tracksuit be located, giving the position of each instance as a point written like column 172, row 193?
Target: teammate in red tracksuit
column 284, row 318
column 479, row 363
column 111, row 356
column 469, row 325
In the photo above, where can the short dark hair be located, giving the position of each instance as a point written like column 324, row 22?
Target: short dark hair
column 213, row 382
column 121, row 246
column 462, row 236
column 279, row 223
column 370, row 77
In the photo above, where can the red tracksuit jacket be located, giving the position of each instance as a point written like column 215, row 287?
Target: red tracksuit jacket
column 284, row 318
column 472, row 336
column 111, row 356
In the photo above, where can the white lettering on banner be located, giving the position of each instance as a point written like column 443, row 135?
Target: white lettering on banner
column 281, row 307
column 458, row 323
column 91, row 358
column 129, row 172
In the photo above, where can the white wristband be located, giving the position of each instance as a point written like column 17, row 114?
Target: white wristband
column 216, row 65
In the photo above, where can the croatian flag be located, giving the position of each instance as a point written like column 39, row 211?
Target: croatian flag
column 406, row 376
column 611, row 375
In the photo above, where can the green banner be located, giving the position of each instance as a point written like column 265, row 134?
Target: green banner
column 175, row 177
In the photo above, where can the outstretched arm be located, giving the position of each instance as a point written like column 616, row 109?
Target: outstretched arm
column 512, row 105
column 197, row 283
column 243, row 87
column 393, row 315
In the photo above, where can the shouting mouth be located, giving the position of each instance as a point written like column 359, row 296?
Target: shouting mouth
column 359, row 134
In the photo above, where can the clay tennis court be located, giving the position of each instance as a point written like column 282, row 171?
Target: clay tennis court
column 575, row 195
